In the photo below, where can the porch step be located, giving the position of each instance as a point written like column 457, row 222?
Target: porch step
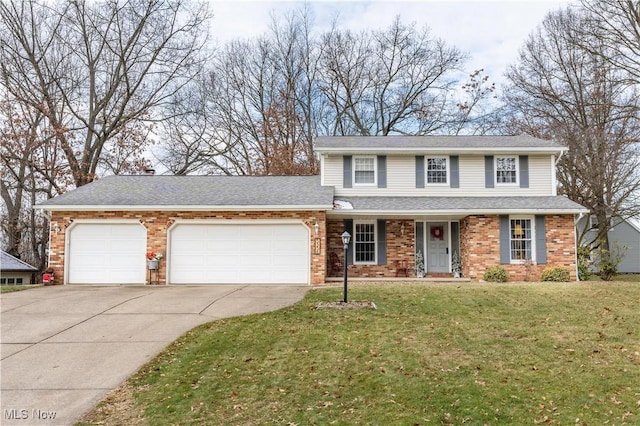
column 439, row 275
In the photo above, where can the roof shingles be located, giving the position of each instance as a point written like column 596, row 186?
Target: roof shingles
column 165, row 191
column 10, row 263
column 463, row 204
column 416, row 143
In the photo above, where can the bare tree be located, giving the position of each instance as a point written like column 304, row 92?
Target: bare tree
column 29, row 172
column 81, row 82
column 95, row 68
column 563, row 91
column 618, row 26
column 252, row 112
column 394, row 80
column 194, row 141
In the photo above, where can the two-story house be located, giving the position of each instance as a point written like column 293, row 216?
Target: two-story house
column 489, row 200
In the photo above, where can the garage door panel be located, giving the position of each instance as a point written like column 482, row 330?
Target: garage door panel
column 239, row 253
column 102, row 253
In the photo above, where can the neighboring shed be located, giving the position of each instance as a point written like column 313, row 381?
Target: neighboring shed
column 627, row 234
column 623, row 235
column 15, row 271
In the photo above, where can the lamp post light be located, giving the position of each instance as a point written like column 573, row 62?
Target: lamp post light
column 346, row 237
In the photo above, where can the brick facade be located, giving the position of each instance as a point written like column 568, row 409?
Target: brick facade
column 480, row 247
column 479, row 241
column 400, row 247
column 158, row 223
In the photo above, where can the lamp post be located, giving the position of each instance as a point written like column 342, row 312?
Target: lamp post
column 345, row 240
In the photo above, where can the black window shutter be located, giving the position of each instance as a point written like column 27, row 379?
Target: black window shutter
column 348, row 226
column 524, row 171
column 346, row 171
column 488, row 171
column 381, row 230
column 541, row 240
column 455, row 171
column 419, row 171
column 382, row 171
column 420, row 238
column 505, row 245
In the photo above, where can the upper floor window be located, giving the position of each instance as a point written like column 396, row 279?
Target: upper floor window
column 521, row 239
column 506, row 170
column 437, row 170
column 364, row 242
column 364, row 170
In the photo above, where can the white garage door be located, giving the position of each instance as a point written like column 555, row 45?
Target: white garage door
column 239, row 253
column 107, row 254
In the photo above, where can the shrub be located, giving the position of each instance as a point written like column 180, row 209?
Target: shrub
column 556, row 273
column 495, row 274
column 584, row 263
column 608, row 261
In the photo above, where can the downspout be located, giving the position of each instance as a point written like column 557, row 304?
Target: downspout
column 575, row 238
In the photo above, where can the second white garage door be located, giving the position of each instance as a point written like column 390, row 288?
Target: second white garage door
column 239, row 254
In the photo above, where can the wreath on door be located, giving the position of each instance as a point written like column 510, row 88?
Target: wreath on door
column 436, row 232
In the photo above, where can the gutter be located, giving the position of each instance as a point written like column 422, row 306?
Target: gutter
column 462, row 213
column 216, row 208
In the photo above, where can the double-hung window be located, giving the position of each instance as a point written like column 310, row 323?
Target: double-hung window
column 364, row 242
column 364, row 170
column 506, row 170
column 437, row 170
column 521, row 239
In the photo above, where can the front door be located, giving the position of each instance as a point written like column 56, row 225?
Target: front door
column 437, row 247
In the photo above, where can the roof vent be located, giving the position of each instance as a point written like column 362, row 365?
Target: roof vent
column 149, row 172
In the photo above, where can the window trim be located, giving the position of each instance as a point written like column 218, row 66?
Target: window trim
column 375, row 241
column 516, row 160
column 532, row 239
column 375, row 170
column 447, row 170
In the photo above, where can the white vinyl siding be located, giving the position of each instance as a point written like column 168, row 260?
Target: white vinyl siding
column 401, row 179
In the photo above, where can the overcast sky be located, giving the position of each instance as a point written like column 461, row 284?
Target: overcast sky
column 491, row 32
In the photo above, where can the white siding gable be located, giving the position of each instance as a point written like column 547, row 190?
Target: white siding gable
column 401, row 179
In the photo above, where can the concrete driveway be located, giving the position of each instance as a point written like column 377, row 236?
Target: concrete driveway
column 64, row 348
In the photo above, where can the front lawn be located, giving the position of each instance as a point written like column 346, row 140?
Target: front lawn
column 552, row 353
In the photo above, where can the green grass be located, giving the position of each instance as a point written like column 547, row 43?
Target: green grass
column 476, row 354
column 622, row 277
column 12, row 288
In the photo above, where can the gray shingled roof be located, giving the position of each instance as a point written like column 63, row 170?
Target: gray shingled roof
column 12, row 264
column 477, row 205
column 196, row 192
column 435, row 143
